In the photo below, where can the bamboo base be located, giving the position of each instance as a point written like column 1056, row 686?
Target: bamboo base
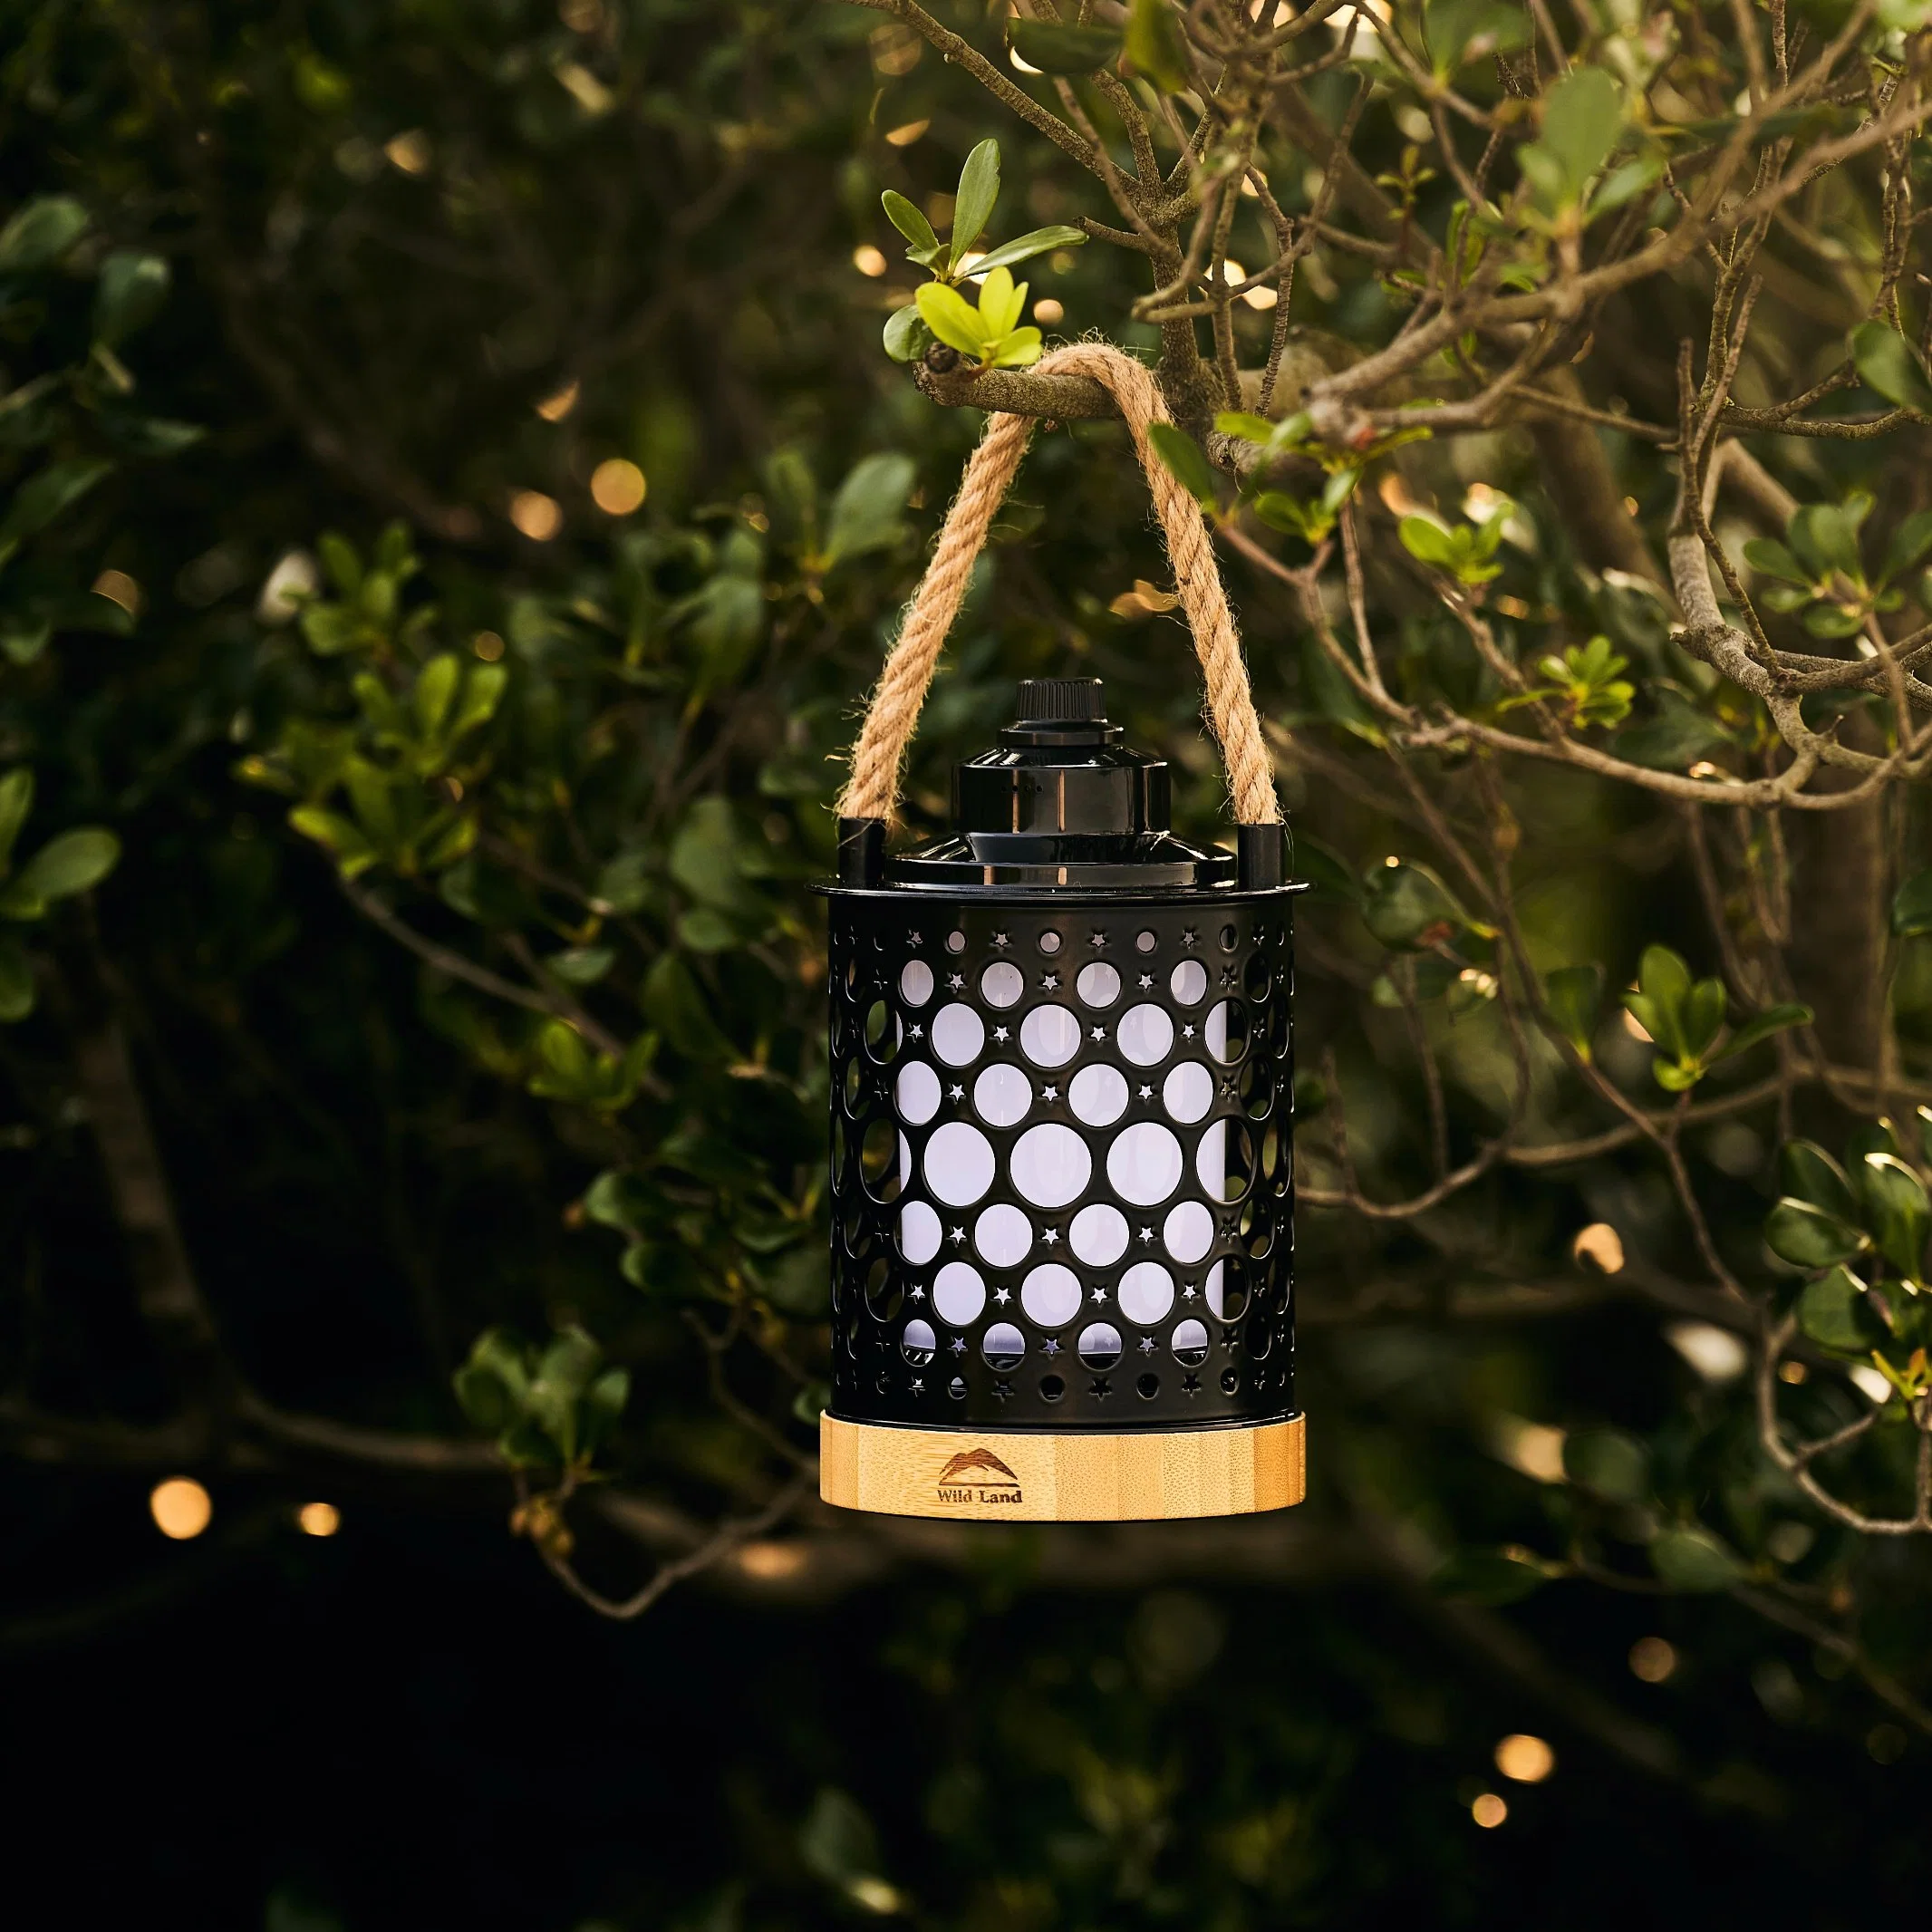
column 992, row 1475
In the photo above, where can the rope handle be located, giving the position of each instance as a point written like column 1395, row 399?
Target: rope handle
column 873, row 790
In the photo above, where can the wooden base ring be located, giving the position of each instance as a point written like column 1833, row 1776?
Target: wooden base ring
column 994, row 1476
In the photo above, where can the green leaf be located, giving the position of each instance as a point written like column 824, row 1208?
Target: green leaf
column 1761, row 1026
column 1490, row 1577
column 1694, row 1560
column 1807, row 1173
column 1582, row 120
column 1155, row 47
column 43, row 496
column 1912, row 906
column 1185, row 460
column 1909, row 542
column 671, row 1000
column 837, row 1841
column 1807, row 1237
column 1889, row 366
column 602, row 1407
column 868, row 512
column 581, row 965
column 952, row 318
column 1825, row 536
column 1429, row 540
column 1607, row 1461
column 354, row 851
column 1574, row 995
column 40, row 233
column 1771, row 559
column 912, row 224
column 1460, row 30
column 127, row 294
column 1055, row 47
column 905, row 335
column 1896, row 1211
column 69, row 864
column 1836, row 1313
column 435, row 691
column 16, row 980
column 972, row 206
column 1019, row 350
column 1024, row 247
column 1244, row 424
column 1676, row 738
column 16, row 800
column 1406, row 906
column 493, row 1384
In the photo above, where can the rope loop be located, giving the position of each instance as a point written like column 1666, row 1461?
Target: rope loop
column 892, row 716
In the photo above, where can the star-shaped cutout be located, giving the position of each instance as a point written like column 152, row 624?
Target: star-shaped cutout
column 1002, row 1296
column 1146, row 1093
column 1189, row 1292
column 1099, row 939
column 919, row 1387
column 1100, row 1294
column 1187, row 938
column 1230, row 1342
column 1187, row 1032
column 1050, row 981
column 957, row 1093
column 1146, row 1234
column 1146, row 1344
column 1051, row 1236
column 1227, row 976
column 959, row 1234
column 1049, row 1093
column 1001, row 942
column 1099, row 1032
column 1097, row 1387
column 957, row 1344
column 915, row 1032
column 955, row 982
column 1228, row 1088
column 1146, row 980
column 915, row 1292
column 1190, row 1385
column 999, row 1033
column 1002, row 1389
column 1049, row 1347
column 912, row 939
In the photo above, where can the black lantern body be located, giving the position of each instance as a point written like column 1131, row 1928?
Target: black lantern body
column 1062, row 1057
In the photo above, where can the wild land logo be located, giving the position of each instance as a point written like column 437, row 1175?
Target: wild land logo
column 978, row 1475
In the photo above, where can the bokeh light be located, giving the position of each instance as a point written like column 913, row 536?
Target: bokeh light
column 1524, row 1759
column 1601, row 1246
column 319, row 1519
column 868, row 260
column 538, row 516
column 180, row 1507
column 617, row 486
column 1489, row 1810
column 559, row 403
column 1046, row 311
column 1653, row 1658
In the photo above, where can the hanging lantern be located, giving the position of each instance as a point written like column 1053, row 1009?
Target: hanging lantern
column 1061, row 1070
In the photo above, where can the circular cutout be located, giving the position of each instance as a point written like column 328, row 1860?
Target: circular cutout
column 1050, row 1295
column 958, row 1034
column 1227, row 1033
column 1051, row 1388
column 916, row 1091
column 918, row 1342
column 959, row 1164
column 1189, row 982
column 1099, row 1345
column 1050, row 1166
column 839, row 1151
column 1188, row 1092
column 956, row 1388
column 884, row 1032
column 1002, row 1094
column 1098, row 984
column 919, row 1232
column 1226, row 1161
column 1274, row 1145
column 1146, row 1293
column 1098, row 1095
column 959, row 1295
column 1259, row 1339
column 854, row 1085
column 1257, row 981
column 1144, row 1164
column 1049, row 941
column 1257, row 1088
column 1002, row 1235
column 1188, row 1233
column 1147, row 1387
column 1049, row 1035
column 1099, row 1235
column 1225, row 1290
column 1144, row 942
column 955, row 942
column 1145, row 1034
column 1190, row 1344
column 915, row 983
column 883, row 1293
column 1002, row 984
column 1230, row 939
column 1004, row 1349
column 877, row 1165
column 1229, row 1380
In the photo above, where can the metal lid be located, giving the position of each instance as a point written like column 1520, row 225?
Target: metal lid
column 1062, row 803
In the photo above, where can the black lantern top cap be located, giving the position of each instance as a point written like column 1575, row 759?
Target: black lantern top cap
column 1061, row 803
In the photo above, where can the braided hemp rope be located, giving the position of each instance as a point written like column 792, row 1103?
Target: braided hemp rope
column 891, row 719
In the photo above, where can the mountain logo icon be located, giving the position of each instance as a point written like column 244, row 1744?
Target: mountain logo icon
column 978, row 1475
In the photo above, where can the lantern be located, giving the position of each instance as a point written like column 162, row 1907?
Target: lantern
column 1061, row 1110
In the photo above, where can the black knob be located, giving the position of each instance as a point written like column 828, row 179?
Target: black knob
column 1060, row 701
